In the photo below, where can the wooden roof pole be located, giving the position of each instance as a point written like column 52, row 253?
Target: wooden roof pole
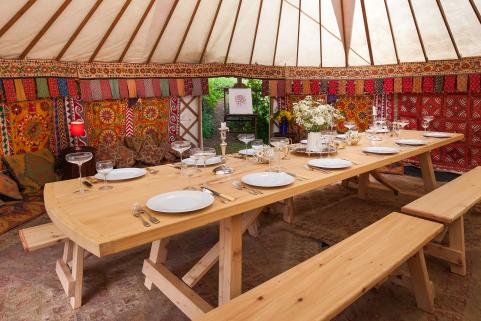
column 210, row 31
column 277, row 33
column 320, row 32
column 298, row 32
column 162, row 31
column 232, row 32
column 17, row 16
column 79, row 28
column 446, row 23
column 390, row 28
column 186, row 31
column 109, row 31
column 44, row 29
column 139, row 25
column 475, row 9
column 366, row 29
column 344, row 40
column 255, row 32
column 417, row 30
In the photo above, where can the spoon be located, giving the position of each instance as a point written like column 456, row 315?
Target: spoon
column 238, row 185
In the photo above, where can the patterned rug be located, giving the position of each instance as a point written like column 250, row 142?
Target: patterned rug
column 114, row 289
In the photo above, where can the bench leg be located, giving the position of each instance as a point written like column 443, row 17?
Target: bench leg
column 288, row 214
column 77, row 275
column 421, row 284
column 456, row 242
column 230, row 258
column 158, row 254
column 362, row 186
column 427, row 171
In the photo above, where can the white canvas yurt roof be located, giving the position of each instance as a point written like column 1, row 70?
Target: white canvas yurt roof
column 265, row 32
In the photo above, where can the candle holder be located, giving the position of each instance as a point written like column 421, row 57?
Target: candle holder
column 223, row 169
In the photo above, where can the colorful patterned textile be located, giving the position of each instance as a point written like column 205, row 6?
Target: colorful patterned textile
column 19, row 91
column 31, row 170
column 165, row 87
column 174, row 118
column 31, row 125
column 359, row 87
column 123, row 88
column 462, row 83
column 151, row 118
column 105, row 89
column 114, row 88
column 281, row 88
column 323, row 86
column 5, row 131
column 369, row 86
column 75, row 111
column 61, row 132
column 156, row 86
column 105, row 122
column 62, row 87
column 72, row 88
column 2, row 97
column 306, row 87
column 428, row 84
column 120, row 155
column 438, row 84
column 388, row 85
column 449, row 84
column 149, row 89
column 398, row 85
column 273, row 88
column 180, row 87
column 53, row 87
column 378, row 86
column 132, row 88
column 350, row 88
column 85, row 90
column 475, row 83
column 356, row 109
column 139, row 84
column 288, row 87
column 265, row 87
column 205, row 85
column 95, row 89
column 341, row 87
column 129, row 121
column 173, row 87
column 407, row 85
column 42, row 88
column 188, row 85
column 297, row 87
column 417, row 84
column 9, row 87
column 16, row 213
column 9, row 189
column 332, row 87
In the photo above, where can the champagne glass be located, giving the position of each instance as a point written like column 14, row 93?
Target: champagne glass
column 203, row 153
column 428, row 119
column 425, row 125
column 79, row 158
column 180, row 146
column 189, row 169
column 279, row 144
column 246, row 138
column 257, row 144
column 104, row 168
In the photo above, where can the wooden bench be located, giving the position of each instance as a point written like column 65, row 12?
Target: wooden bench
column 324, row 285
column 40, row 236
column 447, row 205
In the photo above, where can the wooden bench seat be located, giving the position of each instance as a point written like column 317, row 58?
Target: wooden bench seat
column 37, row 237
column 447, row 205
column 324, row 285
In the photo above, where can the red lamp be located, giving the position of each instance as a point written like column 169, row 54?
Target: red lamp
column 76, row 130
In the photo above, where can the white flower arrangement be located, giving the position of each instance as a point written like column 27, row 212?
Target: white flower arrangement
column 315, row 116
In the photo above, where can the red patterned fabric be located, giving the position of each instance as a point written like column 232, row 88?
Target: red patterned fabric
column 388, row 85
column 174, row 118
column 332, row 87
column 105, row 89
column 408, row 105
column 350, row 88
column 315, row 87
column 369, row 86
column 462, row 83
column 173, row 87
column 265, row 87
column 9, row 87
column 476, row 107
column 475, row 83
column 281, row 88
column 205, row 86
column 53, row 87
column 123, row 88
column 449, row 84
column 407, row 85
column 85, row 90
column 188, row 86
column 72, row 88
column 456, row 107
column 428, row 84
column 139, row 84
column 156, row 86
column 288, row 87
column 390, row 106
column 297, row 87
column 30, row 88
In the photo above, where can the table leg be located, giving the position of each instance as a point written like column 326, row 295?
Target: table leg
column 456, row 242
column 427, row 171
column 230, row 258
column 77, row 275
column 362, row 186
column 158, row 254
column 421, row 284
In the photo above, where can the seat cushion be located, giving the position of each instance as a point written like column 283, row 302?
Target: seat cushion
column 15, row 213
column 9, row 189
column 119, row 154
column 151, row 154
column 31, row 170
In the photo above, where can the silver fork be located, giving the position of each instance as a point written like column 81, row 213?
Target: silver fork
column 316, row 169
column 151, row 218
column 136, row 213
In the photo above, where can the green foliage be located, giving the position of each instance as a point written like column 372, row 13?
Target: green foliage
column 207, row 120
column 261, row 107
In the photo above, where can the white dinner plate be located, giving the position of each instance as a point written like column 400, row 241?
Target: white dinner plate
column 380, row 150
column 268, row 179
column 200, row 162
column 332, row 163
column 180, row 201
column 121, row 174
column 411, row 142
column 341, row 136
column 304, row 141
column 437, row 134
column 248, row 152
column 378, row 131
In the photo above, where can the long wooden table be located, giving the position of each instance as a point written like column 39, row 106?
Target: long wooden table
column 101, row 221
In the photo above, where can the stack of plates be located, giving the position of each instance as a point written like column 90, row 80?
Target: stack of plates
column 330, row 163
column 200, row 162
column 180, row 201
column 411, row 142
column 121, row 174
column 248, row 152
column 268, row 179
column 437, row 134
column 380, row 150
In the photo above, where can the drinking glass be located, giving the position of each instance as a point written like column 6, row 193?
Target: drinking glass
column 425, row 125
column 350, row 125
column 373, row 137
column 203, row 153
column 428, row 119
column 257, row 144
column 189, row 170
column 79, row 158
column 180, row 146
column 104, row 168
column 246, row 138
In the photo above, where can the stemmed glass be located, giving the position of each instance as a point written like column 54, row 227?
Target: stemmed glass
column 189, row 170
column 79, row 158
column 350, row 125
column 203, row 153
column 180, row 146
column 426, row 121
column 246, row 138
column 279, row 144
column 104, row 168
column 257, row 144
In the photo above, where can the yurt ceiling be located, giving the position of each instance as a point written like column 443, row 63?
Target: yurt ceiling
column 265, row 32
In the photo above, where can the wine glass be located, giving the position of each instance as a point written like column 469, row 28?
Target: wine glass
column 257, row 144
column 104, row 168
column 203, row 153
column 79, row 158
column 180, row 146
column 246, row 138
column 426, row 119
column 373, row 137
column 189, row 169
column 350, row 125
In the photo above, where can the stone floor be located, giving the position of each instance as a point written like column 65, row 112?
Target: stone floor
column 114, row 290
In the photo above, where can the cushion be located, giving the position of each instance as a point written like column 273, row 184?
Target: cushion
column 9, row 189
column 15, row 213
column 151, row 154
column 134, row 143
column 119, row 154
column 31, row 170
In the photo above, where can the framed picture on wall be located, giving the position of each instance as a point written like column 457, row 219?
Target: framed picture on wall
column 240, row 101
